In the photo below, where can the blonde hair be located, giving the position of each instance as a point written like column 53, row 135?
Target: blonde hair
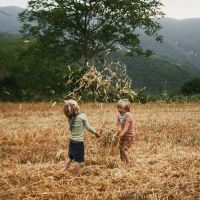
column 125, row 104
column 71, row 107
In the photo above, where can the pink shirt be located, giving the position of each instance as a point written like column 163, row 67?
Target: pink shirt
column 127, row 124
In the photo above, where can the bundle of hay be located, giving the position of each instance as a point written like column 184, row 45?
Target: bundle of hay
column 109, row 138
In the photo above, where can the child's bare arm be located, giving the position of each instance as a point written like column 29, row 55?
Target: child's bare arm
column 125, row 130
column 118, row 129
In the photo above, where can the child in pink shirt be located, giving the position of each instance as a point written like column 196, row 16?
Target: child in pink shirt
column 126, row 132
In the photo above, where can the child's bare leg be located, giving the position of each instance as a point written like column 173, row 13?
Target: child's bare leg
column 67, row 163
column 122, row 155
column 77, row 167
column 125, row 156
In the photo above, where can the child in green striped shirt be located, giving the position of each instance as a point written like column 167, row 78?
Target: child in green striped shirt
column 77, row 122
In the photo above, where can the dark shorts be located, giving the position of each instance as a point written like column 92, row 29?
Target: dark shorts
column 76, row 151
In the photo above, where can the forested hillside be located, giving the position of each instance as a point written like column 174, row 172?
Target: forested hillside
column 36, row 72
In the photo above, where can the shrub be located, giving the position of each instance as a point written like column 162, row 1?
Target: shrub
column 191, row 87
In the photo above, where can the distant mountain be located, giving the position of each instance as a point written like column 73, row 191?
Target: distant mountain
column 9, row 22
column 181, row 40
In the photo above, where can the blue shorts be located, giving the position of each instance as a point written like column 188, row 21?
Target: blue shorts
column 76, row 151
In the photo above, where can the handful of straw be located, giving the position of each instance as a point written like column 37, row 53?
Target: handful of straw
column 109, row 138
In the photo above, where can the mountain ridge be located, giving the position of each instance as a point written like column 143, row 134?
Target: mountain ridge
column 9, row 22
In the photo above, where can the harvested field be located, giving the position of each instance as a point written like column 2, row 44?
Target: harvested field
column 165, row 156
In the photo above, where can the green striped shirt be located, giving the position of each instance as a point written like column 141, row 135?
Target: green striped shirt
column 77, row 127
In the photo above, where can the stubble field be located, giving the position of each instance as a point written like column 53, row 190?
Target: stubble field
column 164, row 158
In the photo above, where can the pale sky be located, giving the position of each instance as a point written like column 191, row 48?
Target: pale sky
column 178, row 9
column 181, row 9
column 18, row 3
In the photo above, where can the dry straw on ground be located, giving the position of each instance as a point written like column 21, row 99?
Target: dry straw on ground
column 165, row 157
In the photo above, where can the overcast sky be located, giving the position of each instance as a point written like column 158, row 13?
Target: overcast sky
column 178, row 9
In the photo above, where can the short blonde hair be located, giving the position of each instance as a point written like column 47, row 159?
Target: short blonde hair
column 71, row 107
column 125, row 104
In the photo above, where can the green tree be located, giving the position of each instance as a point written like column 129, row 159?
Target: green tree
column 83, row 29
column 9, row 68
column 27, row 72
column 191, row 87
